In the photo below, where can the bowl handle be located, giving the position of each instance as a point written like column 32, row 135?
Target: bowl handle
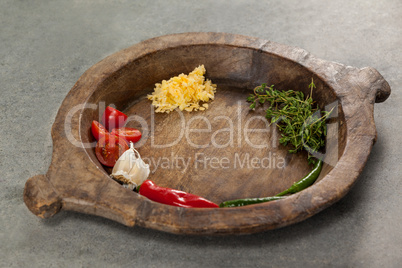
column 376, row 83
column 40, row 197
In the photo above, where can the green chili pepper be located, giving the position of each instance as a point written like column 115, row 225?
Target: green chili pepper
column 305, row 182
column 296, row 187
column 248, row 201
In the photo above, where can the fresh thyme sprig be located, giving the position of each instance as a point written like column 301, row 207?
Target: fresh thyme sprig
column 301, row 124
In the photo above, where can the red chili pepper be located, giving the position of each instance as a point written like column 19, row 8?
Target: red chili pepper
column 173, row 197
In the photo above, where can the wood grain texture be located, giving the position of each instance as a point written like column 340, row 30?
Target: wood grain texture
column 226, row 152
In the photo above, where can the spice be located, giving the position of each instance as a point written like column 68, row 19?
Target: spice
column 306, row 181
column 173, row 197
column 248, row 201
column 184, row 92
column 301, row 124
column 302, row 184
column 130, row 169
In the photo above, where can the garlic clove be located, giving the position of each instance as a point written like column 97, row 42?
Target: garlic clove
column 130, row 168
column 123, row 163
column 140, row 172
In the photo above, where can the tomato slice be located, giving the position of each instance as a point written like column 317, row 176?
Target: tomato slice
column 113, row 118
column 109, row 148
column 128, row 133
column 98, row 130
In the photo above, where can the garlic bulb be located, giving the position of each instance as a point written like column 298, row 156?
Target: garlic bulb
column 130, row 168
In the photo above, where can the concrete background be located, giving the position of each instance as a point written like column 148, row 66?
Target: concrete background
column 47, row 45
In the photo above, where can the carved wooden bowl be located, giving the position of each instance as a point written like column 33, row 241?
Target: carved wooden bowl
column 226, row 152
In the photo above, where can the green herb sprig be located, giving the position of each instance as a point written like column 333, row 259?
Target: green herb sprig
column 301, row 124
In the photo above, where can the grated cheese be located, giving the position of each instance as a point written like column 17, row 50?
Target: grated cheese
column 184, row 92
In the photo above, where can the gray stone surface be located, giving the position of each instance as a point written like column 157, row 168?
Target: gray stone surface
column 46, row 45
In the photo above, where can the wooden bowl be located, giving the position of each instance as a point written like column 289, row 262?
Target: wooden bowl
column 229, row 151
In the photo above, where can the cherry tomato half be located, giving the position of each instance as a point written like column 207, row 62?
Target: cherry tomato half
column 98, row 130
column 109, row 148
column 113, row 118
column 128, row 133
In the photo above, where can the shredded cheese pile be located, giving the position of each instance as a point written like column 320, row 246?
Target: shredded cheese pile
column 184, row 92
